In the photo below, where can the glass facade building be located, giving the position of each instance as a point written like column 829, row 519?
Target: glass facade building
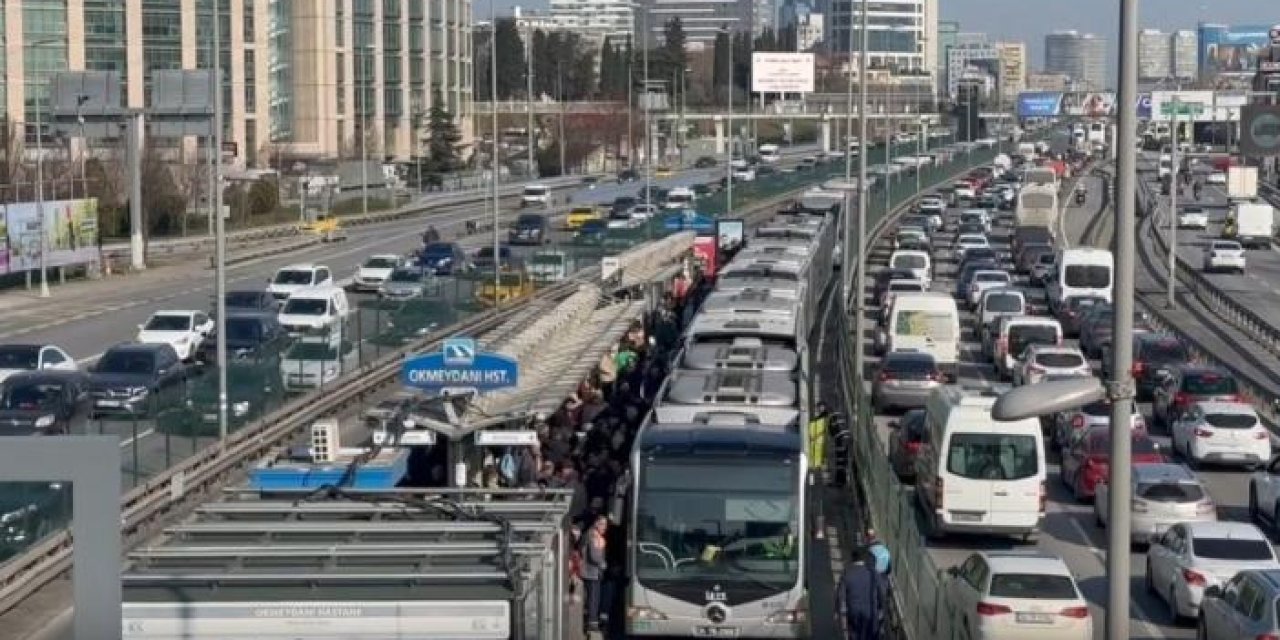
column 303, row 77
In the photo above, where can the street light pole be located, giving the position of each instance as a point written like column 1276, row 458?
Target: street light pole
column 528, row 57
column 219, row 231
column 364, row 131
column 1120, row 387
column 728, row 185
column 1170, row 301
column 860, row 277
column 84, row 146
column 493, row 174
column 44, row 241
column 847, row 248
column 648, row 144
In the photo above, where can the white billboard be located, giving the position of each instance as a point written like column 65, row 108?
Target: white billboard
column 774, row 72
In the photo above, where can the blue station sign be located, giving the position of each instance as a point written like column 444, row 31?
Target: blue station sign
column 689, row 220
column 459, row 365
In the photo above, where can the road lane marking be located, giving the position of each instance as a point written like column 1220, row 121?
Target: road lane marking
column 138, row 438
column 1144, row 621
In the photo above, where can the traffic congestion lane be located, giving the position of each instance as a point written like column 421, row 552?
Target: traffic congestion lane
column 88, row 332
column 1069, row 530
column 1259, row 287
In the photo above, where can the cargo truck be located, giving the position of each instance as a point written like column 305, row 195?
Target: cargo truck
column 1250, row 224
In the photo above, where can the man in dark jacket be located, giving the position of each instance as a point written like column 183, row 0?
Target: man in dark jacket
column 594, row 567
column 858, row 597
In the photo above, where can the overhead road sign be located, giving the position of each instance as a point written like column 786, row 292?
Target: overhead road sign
column 1181, row 109
column 776, row 72
column 460, row 366
column 1260, row 130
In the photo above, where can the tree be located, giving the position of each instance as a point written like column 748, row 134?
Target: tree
column 442, row 143
column 191, row 181
column 608, row 78
column 580, row 73
column 673, row 55
column 511, row 60
column 264, row 197
column 10, row 160
column 720, row 67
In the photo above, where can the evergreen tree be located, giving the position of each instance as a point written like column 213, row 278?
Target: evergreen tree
column 511, row 61
column 607, row 70
column 673, row 58
column 720, row 62
column 442, row 143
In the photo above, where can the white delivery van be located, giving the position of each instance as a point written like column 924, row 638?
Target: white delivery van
column 919, row 262
column 975, row 474
column 315, row 313
column 679, row 198
column 535, row 195
column 927, row 322
column 1080, row 272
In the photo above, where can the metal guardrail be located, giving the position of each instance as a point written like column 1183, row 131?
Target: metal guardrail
column 171, row 246
column 919, row 605
column 199, row 476
column 1244, row 319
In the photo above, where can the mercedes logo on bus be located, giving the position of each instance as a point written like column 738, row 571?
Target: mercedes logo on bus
column 717, row 613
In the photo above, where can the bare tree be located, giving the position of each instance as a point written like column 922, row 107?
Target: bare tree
column 11, row 167
column 191, row 180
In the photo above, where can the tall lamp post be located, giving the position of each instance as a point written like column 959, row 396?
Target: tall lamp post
column 44, row 241
column 860, row 277
column 1120, row 386
column 728, row 184
column 220, row 231
column 493, row 158
column 362, row 81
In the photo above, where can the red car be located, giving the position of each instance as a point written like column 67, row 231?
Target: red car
column 1088, row 460
column 905, row 439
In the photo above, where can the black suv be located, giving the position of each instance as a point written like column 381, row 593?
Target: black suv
column 49, row 402
column 250, row 336
column 134, row 379
column 1155, row 355
column 529, row 228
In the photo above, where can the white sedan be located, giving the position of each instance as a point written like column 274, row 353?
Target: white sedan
column 1018, row 595
column 1192, row 556
column 1224, row 255
column 185, row 331
column 1040, row 360
column 1222, row 433
column 1217, row 177
column 1193, row 218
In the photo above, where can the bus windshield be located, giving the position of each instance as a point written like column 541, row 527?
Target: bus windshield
column 710, row 522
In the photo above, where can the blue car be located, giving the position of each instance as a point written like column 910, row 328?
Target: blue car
column 442, row 258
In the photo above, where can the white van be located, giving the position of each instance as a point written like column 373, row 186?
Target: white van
column 315, row 311
column 927, row 322
column 978, row 475
column 536, row 195
column 770, row 154
column 679, row 198
column 919, row 262
column 1081, row 272
column 298, row 276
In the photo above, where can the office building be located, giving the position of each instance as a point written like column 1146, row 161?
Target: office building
column 1155, row 55
column 807, row 21
column 972, row 60
column 1012, row 77
column 301, row 78
column 594, row 20
column 902, row 36
column 1081, row 57
column 1185, row 48
column 948, row 30
column 701, row 19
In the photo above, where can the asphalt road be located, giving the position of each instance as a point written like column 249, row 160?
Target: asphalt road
column 1070, row 531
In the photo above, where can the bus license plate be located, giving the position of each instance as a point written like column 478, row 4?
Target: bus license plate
column 1034, row 618
column 715, row 632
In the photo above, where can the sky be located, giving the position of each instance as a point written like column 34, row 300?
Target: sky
column 1030, row 20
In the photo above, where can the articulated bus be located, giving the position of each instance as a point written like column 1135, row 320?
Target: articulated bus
column 718, row 527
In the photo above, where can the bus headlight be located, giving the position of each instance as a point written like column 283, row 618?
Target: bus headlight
column 636, row 614
column 789, row 616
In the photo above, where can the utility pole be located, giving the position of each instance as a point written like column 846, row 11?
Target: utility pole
column 728, row 202
column 44, row 238
column 1120, row 388
column 364, row 133
column 847, row 247
column 220, row 230
column 631, row 80
column 560, row 99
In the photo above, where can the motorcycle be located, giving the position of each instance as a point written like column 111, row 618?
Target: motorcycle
column 1081, row 196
